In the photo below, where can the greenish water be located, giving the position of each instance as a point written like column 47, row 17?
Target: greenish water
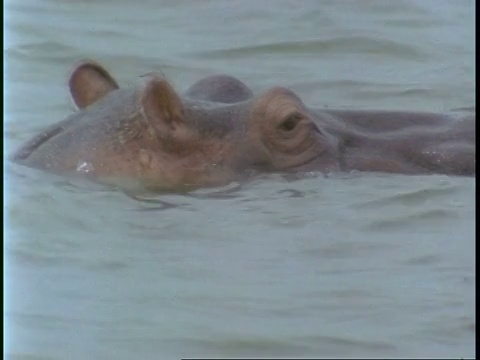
column 352, row 265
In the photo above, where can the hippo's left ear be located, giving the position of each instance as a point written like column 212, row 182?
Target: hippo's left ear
column 89, row 82
column 161, row 105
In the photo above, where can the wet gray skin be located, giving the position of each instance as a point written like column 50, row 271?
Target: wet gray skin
column 219, row 131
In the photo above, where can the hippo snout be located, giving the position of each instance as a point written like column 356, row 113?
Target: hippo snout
column 26, row 150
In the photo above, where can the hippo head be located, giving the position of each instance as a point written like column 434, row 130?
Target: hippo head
column 152, row 134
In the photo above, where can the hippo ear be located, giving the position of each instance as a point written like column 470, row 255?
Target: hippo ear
column 89, row 82
column 161, row 105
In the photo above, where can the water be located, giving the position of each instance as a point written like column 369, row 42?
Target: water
column 351, row 265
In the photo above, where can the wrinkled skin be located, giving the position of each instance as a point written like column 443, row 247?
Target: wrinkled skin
column 218, row 131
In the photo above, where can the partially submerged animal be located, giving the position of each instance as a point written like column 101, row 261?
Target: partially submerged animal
column 219, row 131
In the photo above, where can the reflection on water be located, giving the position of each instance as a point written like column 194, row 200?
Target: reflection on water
column 345, row 265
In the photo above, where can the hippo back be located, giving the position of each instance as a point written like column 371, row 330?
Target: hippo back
column 220, row 88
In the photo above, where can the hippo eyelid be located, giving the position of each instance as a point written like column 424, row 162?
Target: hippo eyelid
column 290, row 122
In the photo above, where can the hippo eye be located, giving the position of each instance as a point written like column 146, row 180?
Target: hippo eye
column 290, row 123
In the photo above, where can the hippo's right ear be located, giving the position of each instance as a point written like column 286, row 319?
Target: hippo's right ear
column 89, row 82
column 162, row 106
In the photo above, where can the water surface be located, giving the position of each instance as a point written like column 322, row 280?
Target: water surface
column 350, row 265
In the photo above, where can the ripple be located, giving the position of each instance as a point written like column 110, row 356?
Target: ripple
column 54, row 260
column 243, row 346
column 416, row 197
column 425, row 217
column 45, row 49
column 425, row 260
column 346, row 345
column 343, row 45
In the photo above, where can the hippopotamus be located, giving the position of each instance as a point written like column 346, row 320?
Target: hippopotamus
column 218, row 131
